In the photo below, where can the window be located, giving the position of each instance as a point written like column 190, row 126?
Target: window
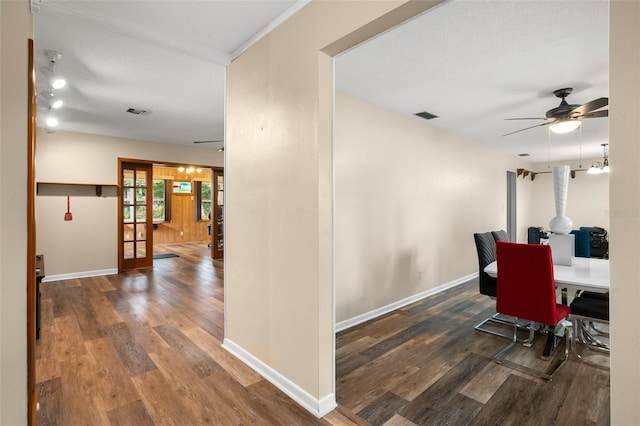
column 161, row 206
column 134, row 198
column 203, row 198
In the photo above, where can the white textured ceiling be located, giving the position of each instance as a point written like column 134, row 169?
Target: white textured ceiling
column 471, row 62
column 166, row 57
column 475, row 63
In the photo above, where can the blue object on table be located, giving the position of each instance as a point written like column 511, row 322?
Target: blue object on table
column 583, row 242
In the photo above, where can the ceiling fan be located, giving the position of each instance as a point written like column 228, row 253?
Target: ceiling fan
column 222, row 140
column 220, row 150
column 565, row 117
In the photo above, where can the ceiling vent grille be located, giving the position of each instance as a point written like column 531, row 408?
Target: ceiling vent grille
column 136, row 111
column 426, row 115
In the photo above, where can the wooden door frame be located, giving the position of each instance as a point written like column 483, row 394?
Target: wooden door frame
column 148, row 219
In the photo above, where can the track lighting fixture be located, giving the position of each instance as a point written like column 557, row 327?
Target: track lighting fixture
column 55, row 82
column 56, row 103
column 52, row 99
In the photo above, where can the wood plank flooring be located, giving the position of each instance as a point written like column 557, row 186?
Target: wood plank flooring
column 425, row 364
column 143, row 348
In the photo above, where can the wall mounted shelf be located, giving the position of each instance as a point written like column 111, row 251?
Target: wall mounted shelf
column 76, row 189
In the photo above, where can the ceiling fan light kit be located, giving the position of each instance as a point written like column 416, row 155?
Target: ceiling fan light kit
column 564, row 126
column 566, row 118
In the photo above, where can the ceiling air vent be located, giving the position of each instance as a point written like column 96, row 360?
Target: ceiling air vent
column 426, row 115
column 136, row 111
column 523, row 155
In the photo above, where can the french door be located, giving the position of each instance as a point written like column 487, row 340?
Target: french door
column 135, row 216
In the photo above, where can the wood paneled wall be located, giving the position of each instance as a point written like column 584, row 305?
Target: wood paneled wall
column 182, row 211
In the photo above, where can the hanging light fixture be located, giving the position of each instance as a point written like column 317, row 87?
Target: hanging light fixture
column 565, row 126
column 600, row 167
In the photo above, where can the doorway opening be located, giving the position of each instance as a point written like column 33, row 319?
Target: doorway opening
column 164, row 204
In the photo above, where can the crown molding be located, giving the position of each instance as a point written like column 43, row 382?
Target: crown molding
column 270, row 27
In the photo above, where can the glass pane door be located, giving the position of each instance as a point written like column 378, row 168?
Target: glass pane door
column 136, row 244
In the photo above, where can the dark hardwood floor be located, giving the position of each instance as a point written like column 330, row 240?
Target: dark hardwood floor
column 425, row 364
column 143, row 348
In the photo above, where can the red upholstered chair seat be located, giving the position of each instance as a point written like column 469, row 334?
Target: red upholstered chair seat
column 526, row 290
column 526, row 286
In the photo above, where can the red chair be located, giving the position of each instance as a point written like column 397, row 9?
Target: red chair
column 526, row 290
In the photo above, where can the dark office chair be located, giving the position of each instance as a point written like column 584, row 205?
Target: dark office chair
column 599, row 238
column 586, row 311
column 582, row 242
column 583, row 249
column 486, row 247
column 527, row 290
column 500, row 235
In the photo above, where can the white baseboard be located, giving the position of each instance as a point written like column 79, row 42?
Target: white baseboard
column 317, row 407
column 83, row 274
column 359, row 319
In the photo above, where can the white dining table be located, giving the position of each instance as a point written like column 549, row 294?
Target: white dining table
column 587, row 274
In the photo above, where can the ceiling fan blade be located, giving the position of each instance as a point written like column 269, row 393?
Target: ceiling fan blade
column 527, row 128
column 207, row 141
column 528, row 118
column 596, row 114
column 590, row 106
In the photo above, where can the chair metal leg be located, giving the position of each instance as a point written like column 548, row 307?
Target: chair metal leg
column 548, row 375
column 587, row 334
column 589, row 339
column 532, row 333
column 589, row 342
column 596, row 330
column 500, row 319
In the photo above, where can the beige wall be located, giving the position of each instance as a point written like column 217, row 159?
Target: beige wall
column 278, row 289
column 624, row 134
column 408, row 198
column 15, row 29
column 89, row 242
